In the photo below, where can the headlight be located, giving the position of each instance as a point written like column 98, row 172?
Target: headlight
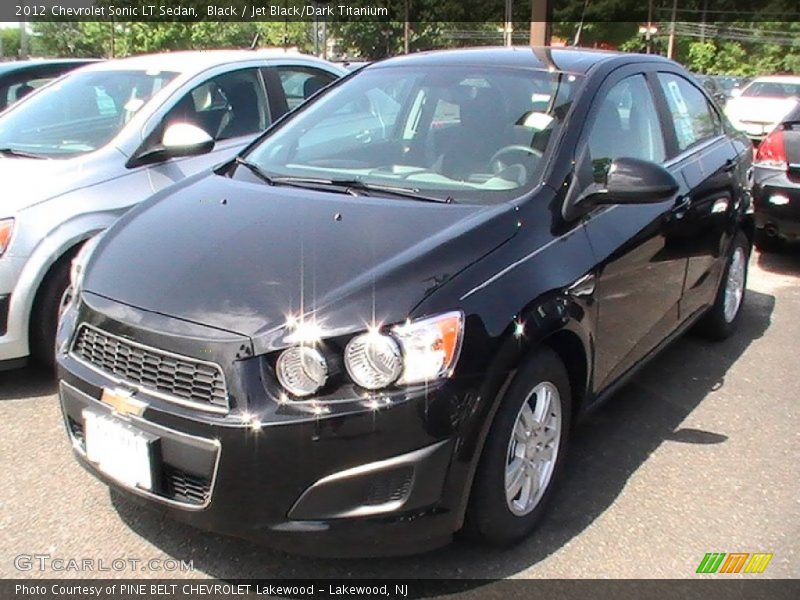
column 430, row 347
column 373, row 360
column 78, row 266
column 411, row 353
column 414, row 352
column 6, row 229
column 302, row 370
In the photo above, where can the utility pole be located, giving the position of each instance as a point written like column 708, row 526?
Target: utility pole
column 23, row 40
column 508, row 26
column 671, row 46
column 407, row 28
column 540, row 25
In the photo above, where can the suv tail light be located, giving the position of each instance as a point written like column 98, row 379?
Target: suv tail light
column 772, row 152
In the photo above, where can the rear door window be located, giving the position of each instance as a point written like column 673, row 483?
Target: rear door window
column 300, row 83
column 694, row 119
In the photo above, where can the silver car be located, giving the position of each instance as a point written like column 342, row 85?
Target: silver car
column 78, row 153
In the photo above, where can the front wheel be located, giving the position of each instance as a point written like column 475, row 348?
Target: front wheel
column 721, row 319
column 524, row 453
column 47, row 309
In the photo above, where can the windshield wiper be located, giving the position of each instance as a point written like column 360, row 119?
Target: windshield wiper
column 355, row 187
column 19, row 153
column 255, row 170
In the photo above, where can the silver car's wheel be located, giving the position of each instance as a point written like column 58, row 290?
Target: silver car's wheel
column 533, row 449
column 734, row 286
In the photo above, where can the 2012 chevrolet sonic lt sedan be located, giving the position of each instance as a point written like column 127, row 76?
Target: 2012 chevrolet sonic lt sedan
column 377, row 326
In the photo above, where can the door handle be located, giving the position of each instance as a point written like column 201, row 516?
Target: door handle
column 682, row 204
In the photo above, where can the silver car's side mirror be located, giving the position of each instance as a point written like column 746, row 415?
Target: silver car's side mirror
column 178, row 139
column 185, row 139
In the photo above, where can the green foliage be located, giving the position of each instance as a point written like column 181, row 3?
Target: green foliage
column 9, row 41
column 125, row 38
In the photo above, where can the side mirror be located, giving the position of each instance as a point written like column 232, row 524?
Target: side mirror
column 179, row 139
column 736, row 92
column 632, row 181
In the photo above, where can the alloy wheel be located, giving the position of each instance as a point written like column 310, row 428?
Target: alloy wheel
column 734, row 286
column 533, row 449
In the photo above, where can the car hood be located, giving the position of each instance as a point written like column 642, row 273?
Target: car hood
column 759, row 110
column 29, row 181
column 244, row 257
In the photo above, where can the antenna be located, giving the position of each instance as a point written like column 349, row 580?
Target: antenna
column 254, row 43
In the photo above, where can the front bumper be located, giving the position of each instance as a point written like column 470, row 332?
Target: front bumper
column 15, row 301
column 776, row 199
column 366, row 482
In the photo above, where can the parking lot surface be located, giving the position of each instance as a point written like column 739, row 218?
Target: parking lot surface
column 699, row 453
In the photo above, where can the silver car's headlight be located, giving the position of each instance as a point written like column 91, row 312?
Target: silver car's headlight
column 6, row 229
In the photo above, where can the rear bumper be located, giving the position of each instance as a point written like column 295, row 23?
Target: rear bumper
column 776, row 197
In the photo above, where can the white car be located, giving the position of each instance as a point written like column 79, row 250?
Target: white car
column 762, row 104
column 78, row 153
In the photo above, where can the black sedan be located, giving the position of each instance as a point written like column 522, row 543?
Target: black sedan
column 20, row 78
column 362, row 339
column 776, row 184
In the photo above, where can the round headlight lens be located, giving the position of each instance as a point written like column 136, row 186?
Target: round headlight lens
column 302, row 370
column 373, row 360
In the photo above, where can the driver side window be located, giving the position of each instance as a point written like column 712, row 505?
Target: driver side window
column 227, row 106
column 626, row 125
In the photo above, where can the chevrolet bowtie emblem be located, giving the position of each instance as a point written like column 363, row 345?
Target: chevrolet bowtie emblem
column 123, row 402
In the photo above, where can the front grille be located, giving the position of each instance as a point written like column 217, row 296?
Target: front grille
column 185, row 487
column 151, row 369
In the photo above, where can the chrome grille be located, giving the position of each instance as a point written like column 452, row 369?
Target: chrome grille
column 175, row 376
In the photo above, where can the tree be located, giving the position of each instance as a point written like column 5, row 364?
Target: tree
column 9, row 41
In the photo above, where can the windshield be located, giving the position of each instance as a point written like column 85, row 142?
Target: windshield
column 466, row 134
column 772, row 89
column 78, row 114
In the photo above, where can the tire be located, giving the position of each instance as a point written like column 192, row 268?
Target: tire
column 498, row 516
column 720, row 322
column 46, row 309
column 766, row 243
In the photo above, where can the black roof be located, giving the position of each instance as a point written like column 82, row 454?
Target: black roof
column 569, row 60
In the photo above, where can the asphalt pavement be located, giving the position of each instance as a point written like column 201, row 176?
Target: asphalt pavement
column 699, row 453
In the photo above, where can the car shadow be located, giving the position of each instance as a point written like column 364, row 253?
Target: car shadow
column 608, row 448
column 784, row 261
column 27, row 382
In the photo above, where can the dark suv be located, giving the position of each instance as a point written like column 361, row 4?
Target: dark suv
column 363, row 338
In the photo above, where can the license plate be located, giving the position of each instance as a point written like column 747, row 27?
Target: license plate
column 119, row 450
